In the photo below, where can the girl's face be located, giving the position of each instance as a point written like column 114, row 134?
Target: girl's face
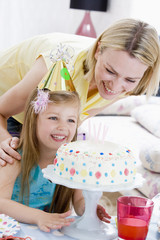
column 116, row 72
column 57, row 125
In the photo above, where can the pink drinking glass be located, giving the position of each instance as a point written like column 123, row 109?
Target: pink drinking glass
column 133, row 217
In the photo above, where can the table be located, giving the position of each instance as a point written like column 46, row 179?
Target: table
column 36, row 234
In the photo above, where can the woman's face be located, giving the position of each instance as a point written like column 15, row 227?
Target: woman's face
column 116, row 72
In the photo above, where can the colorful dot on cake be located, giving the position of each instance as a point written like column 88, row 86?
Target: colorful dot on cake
column 120, row 173
column 112, row 181
column 110, row 153
column 135, row 162
column 106, row 174
column 98, row 175
column 125, row 162
column 84, row 164
column 60, row 173
column 77, row 151
column 83, row 173
column 128, row 151
column 113, row 164
column 72, row 163
column 90, row 173
column 97, row 182
column 101, row 153
column 66, row 169
column 61, row 167
column 72, row 171
column 83, row 180
column 99, row 165
column 77, row 172
column 71, row 178
column 134, row 171
column 55, row 161
column 113, row 173
column 62, row 159
column 126, row 172
column 71, row 151
column 125, row 180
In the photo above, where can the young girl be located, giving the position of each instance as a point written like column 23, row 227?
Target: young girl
column 51, row 118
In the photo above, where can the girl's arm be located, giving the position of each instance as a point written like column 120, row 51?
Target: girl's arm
column 22, row 213
column 12, row 102
column 79, row 206
column 45, row 221
column 78, row 202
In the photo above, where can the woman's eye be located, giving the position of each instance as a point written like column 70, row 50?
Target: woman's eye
column 109, row 71
column 131, row 81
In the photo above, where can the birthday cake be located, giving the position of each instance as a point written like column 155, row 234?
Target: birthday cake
column 95, row 163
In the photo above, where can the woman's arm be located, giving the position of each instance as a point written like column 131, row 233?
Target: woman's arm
column 13, row 102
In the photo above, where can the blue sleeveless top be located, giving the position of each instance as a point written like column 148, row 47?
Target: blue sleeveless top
column 41, row 190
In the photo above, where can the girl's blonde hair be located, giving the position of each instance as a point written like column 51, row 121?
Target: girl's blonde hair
column 141, row 41
column 29, row 142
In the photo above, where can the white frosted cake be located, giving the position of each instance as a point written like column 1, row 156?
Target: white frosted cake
column 95, row 163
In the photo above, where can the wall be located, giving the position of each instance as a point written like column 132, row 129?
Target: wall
column 147, row 10
column 21, row 19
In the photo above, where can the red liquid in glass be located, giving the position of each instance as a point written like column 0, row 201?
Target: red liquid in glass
column 132, row 228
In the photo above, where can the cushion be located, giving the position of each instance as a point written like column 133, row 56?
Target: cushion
column 148, row 115
column 151, row 185
column 150, row 158
column 125, row 105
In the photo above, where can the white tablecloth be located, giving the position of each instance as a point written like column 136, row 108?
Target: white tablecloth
column 33, row 232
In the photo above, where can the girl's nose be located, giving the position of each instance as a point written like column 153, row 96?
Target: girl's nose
column 61, row 125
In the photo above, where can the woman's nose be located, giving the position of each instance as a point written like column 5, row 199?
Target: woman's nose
column 117, row 85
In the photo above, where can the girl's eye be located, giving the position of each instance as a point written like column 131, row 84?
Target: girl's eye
column 71, row 120
column 53, row 118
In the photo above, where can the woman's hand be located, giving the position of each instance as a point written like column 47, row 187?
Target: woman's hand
column 101, row 213
column 47, row 221
column 8, row 151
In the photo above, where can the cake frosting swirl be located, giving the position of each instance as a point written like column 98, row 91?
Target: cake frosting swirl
column 95, row 163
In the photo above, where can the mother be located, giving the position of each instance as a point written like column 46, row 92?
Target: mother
column 123, row 61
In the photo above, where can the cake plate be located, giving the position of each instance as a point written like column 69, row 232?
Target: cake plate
column 89, row 226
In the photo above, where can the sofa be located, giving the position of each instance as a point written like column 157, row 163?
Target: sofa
column 134, row 122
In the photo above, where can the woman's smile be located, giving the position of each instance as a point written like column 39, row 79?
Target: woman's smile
column 116, row 73
column 109, row 91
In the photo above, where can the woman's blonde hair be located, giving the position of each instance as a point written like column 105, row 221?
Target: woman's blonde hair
column 29, row 142
column 140, row 40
